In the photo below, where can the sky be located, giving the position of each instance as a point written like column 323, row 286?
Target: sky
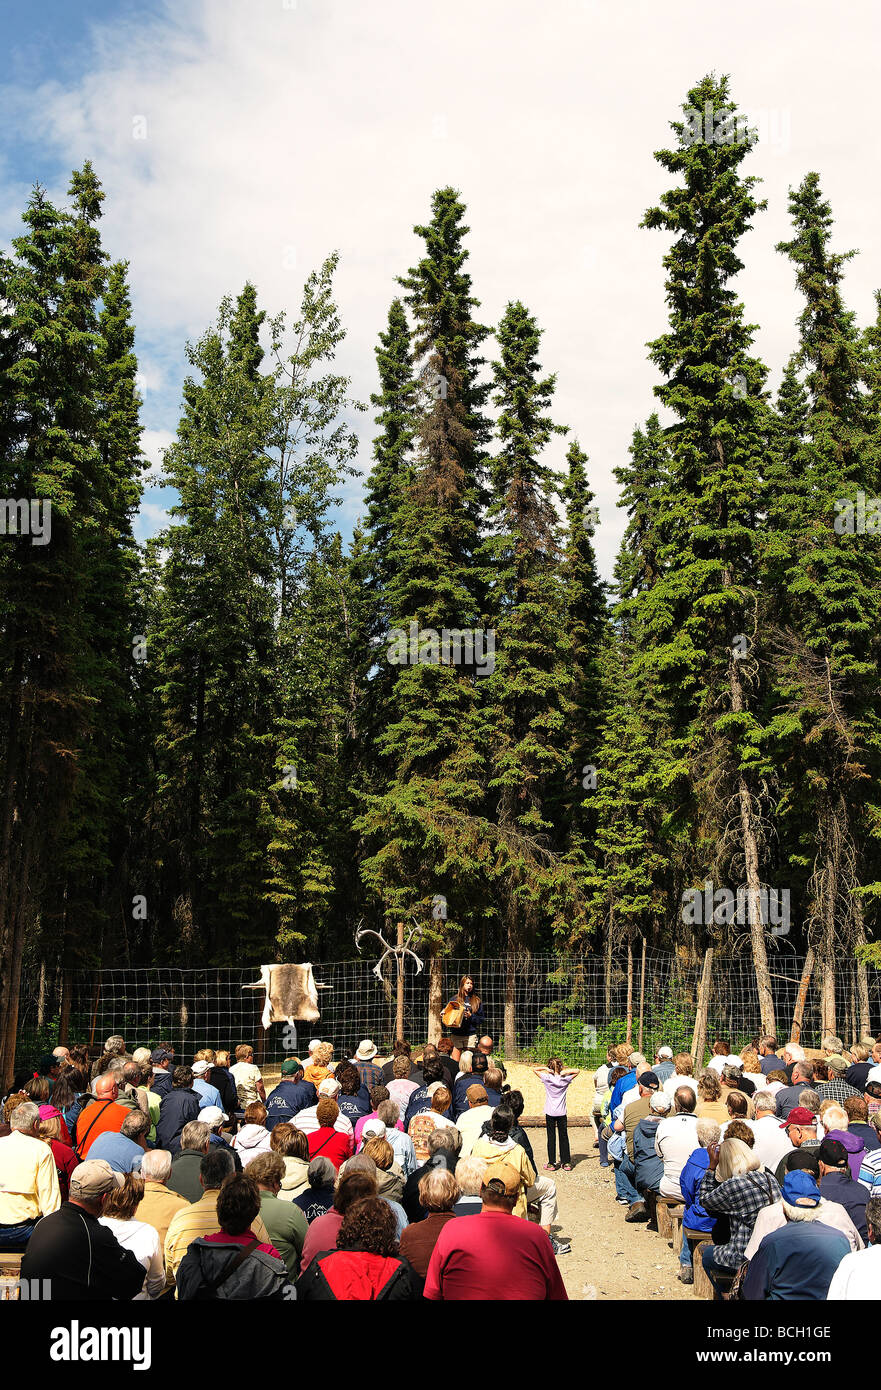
column 245, row 139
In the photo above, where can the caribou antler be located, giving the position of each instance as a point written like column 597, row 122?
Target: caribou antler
column 414, row 935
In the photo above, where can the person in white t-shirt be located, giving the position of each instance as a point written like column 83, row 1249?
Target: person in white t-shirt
column 118, row 1216
column 858, row 1276
column 249, row 1082
column 676, row 1140
column 683, row 1074
column 772, row 1143
column 723, row 1057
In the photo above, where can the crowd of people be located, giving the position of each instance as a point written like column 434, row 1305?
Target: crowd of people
column 771, row 1159
column 144, row 1176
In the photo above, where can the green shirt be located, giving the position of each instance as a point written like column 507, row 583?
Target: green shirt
column 287, row 1227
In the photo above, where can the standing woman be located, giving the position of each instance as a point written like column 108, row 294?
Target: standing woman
column 464, row 1017
column 556, row 1080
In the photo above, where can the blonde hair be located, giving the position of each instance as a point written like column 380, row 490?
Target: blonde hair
column 47, row 1130
column 469, row 1175
column 735, row 1159
column 751, row 1064
column 322, row 1054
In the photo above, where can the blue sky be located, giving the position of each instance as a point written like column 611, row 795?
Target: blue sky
column 277, row 130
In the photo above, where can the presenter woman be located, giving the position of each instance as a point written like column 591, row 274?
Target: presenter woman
column 464, row 1018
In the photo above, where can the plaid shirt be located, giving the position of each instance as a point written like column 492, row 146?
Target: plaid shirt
column 740, row 1199
column 836, row 1090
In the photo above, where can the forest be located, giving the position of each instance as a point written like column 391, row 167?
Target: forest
column 238, row 741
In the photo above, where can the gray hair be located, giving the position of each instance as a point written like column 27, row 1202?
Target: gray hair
column 25, row 1116
column 466, row 1062
column 116, row 1044
column 708, row 1133
column 388, row 1112
column 321, row 1172
column 141, row 1055
column 194, row 1135
column 793, row 1213
column 358, row 1163
column 445, row 1137
column 810, row 1099
column 763, row 1100
column 135, row 1124
column 156, row 1164
column 469, row 1175
column 794, row 1052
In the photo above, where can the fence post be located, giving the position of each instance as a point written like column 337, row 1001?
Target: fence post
column 629, row 1038
column 399, row 1014
column 801, row 999
column 641, row 995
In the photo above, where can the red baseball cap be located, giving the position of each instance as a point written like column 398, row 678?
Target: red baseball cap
column 799, row 1116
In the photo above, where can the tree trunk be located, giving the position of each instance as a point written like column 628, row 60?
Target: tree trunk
column 435, row 997
column 799, row 1010
column 699, row 1037
column 827, row 998
column 753, row 878
column 607, row 971
column 510, row 1003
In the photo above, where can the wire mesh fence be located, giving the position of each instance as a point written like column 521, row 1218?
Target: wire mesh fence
column 571, row 1006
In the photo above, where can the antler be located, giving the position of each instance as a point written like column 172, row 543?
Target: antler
column 390, row 950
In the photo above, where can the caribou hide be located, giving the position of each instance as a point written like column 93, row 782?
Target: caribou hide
column 291, row 994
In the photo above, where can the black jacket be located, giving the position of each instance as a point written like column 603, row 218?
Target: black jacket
column 259, row 1275
column 410, row 1200
column 222, row 1080
column 80, row 1258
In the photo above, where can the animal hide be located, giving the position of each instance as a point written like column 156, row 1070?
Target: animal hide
column 291, row 994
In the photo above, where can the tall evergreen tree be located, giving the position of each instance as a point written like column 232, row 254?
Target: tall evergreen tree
column 700, row 616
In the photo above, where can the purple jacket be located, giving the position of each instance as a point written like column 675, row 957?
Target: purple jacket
column 856, row 1149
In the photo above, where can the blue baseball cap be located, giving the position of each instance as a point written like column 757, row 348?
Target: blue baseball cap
column 800, row 1189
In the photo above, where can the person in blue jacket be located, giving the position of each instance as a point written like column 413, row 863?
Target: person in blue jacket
column 466, row 1033
column 291, row 1095
column 695, row 1218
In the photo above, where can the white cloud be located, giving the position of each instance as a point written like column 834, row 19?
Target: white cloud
column 330, row 124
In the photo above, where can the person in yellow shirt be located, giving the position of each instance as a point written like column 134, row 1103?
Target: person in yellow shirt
column 498, row 1147
column 29, row 1185
column 200, row 1218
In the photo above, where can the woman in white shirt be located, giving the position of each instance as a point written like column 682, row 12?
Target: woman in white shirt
column 143, row 1240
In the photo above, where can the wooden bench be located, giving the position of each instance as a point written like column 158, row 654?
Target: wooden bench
column 702, row 1286
column 10, row 1273
column 670, row 1213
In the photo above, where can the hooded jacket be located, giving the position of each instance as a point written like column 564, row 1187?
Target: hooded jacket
column 178, row 1107
column 250, row 1141
column 296, row 1178
column 856, row 1149
column 260, row 1275
column 390, row 1184
column 356, row 1275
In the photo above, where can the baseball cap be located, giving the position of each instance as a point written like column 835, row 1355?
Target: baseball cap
column 200, row 1068
column 290, row 1065
column 649, row 1078
column 800, row 1189
column 833, row 1152
column 329, row 1087
column 371, row 1127
column 666, row 1053
column 799, row 1116
column 479, row 1062
column 94, row 1177
column 874, row 1074
column 159, row 1055
column 476, row 1095
column 212, row 1115
column 507, row 1175
column 803, row 1158
column 660, row 1102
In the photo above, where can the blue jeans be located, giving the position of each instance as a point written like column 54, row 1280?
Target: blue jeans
column 13, row 1239
column 720, row 1276
column 624, row 1181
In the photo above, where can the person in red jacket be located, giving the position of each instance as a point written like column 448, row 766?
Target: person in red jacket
column 327, row 1141
column 366, row 1266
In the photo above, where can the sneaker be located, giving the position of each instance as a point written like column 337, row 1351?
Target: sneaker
column 560, row 1247
column 637, row 1212
column 622, row 1201
column 686, row 1275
